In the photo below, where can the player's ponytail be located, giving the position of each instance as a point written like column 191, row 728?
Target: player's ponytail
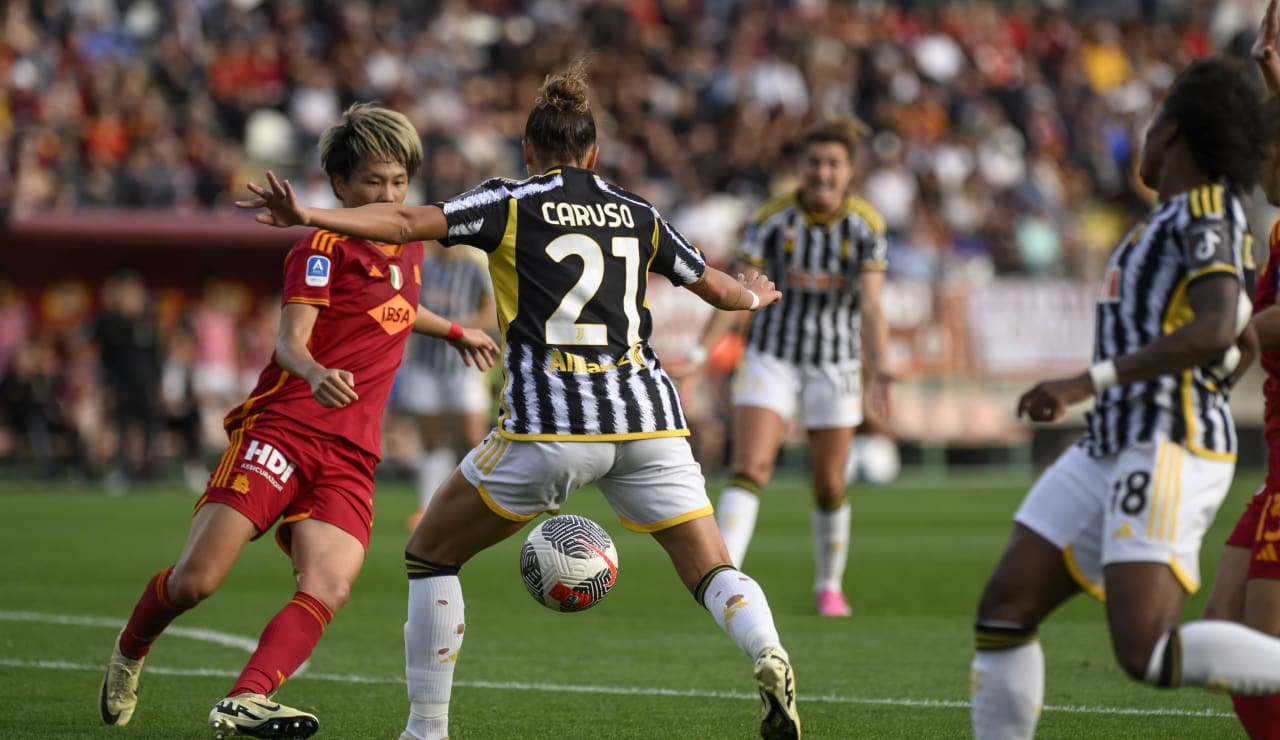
column 560, row 127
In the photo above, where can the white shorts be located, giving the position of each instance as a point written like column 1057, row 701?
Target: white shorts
column 652, row 484
column 423, row 392
column 1152, row 502
column 830, row 395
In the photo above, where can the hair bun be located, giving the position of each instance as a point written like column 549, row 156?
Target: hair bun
column 566, row 91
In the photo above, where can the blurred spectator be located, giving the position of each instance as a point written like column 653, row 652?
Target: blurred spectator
column 146, row 104
column 31, row 414
column 129, row 347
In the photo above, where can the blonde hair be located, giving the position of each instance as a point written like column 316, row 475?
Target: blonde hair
column 560, row 127
column 369, row 131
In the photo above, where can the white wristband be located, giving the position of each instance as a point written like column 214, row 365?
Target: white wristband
column 1103, row 375
column 755, row 301
column 697, row 355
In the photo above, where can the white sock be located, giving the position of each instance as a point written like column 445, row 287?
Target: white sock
column 432, row 638
column 736, row 515
column 1007, row 691
column 1218, row 655
column 738, row 605
column 434, row 468
column 830, row 548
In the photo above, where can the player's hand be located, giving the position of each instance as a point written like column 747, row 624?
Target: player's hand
column 477, row 348
column 282, row 206
column 1264, row 47
column 877, row 395
column 1048, row 400
column 762, row 286
column 333, row 389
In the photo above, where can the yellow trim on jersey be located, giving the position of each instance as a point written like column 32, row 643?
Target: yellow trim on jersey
column 866, row 212
column 1193, row 201
column 1179, row 310
column 499, row 510
column 1086, row 585
column 775, row 205
column 1246, row 253
column 873, row 266
column 1188, row 583
column 619, row 437
column 1214, row 197
column 667, row 523
column 502, row 269
column 309, row 301
column 1188, row 412
column 652, row 255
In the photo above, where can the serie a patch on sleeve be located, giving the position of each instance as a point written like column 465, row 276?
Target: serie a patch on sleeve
column 317, row 271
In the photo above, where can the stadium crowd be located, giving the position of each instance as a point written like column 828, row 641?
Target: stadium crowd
column 1004, row 134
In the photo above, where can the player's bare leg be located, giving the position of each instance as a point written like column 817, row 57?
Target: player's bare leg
column 217, row 535
column 740, row 608
column 1007, row 681
column 456, row 526
column 828, row 453
column 757, row 435
column 1254, row 602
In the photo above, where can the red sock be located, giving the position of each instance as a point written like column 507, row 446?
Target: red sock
column 1260, row 716
column 151, row 616
column 287, row 641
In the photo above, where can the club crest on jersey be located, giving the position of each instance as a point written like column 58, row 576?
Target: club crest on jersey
column 317, row 271
column 1110, row 290
column 397, row 279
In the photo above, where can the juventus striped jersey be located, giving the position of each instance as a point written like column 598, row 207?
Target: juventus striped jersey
column 570, row 257
column 453, row 287
column 1144, row 297
column 816, row 264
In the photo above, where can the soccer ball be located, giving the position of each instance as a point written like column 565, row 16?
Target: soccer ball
column 568, row 563
column 872, row 459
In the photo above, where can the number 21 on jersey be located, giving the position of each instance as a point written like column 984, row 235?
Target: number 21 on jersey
column 562, row 327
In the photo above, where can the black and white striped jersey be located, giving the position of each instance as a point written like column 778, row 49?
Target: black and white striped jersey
column 1143, row 297
column 816, row 264
column 452, row 286
column 570, row 257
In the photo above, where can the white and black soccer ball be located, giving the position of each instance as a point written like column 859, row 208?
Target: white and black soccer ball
column 568, row 563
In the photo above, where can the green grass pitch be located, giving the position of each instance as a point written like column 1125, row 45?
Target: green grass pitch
column 647, row 663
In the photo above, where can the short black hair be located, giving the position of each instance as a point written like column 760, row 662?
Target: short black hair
column 1218, row 110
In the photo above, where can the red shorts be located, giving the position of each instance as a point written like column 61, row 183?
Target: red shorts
column 1258, row 529
column 275, row 468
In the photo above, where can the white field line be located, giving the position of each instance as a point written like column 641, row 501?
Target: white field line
column 236, row 641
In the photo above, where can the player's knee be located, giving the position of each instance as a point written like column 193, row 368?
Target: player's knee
column 1001, row 602
column 1134, row 655
column 331, row 591
column 189, row 587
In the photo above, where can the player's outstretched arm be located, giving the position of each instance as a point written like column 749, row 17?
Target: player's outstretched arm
column 476, row 347
column 1214, row 299
column 384, row 222
column 1266, row 52
column 331, row 387
column 744, row 293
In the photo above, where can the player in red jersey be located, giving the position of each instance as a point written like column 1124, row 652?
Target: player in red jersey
column 1246, row 587
column 302, row 448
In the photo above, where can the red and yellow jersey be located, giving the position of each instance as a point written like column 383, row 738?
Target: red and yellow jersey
column 1264, row 297
column 367, row 294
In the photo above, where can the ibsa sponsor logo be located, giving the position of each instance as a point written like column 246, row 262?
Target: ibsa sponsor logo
column 265, row 460
column 395, row 315
column 318, row 271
